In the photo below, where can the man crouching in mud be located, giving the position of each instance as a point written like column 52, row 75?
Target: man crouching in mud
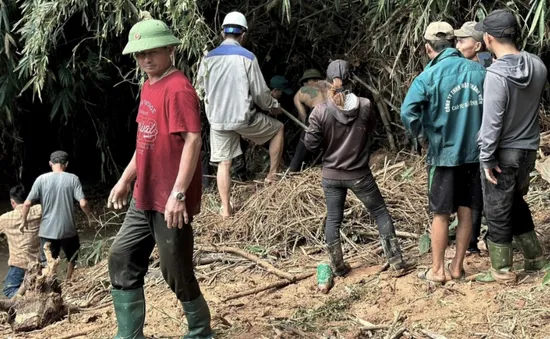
column 167, row 192
column 449, row 113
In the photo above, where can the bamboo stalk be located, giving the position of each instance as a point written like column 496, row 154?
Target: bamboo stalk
column 384, row 114
column 270, row 268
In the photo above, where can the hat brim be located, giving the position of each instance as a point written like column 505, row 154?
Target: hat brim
column 288, row 91
column 309, row 78
column 141, row 45
column 459, row 33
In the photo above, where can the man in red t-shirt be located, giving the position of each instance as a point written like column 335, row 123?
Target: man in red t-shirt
column 167, row 192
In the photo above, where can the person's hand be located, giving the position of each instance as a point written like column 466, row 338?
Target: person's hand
column 490, row 175
column 119, row 195
column 276, row 111
column 175, row 213
column 24, row 226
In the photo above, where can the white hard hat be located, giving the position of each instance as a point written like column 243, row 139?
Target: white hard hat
column 236, row 19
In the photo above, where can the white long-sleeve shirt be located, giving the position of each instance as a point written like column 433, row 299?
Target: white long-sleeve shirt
column 231, row 82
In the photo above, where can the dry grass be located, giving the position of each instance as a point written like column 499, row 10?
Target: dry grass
column 291, row 212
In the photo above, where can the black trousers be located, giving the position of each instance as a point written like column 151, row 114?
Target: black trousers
column 134, row 242
column 302, row 155
column 506, row 211
column 367, row 191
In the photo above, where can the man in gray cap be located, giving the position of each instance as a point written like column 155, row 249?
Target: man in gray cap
column 443, row 108
column 470, row 43
column 56, row 191
column 509, row 139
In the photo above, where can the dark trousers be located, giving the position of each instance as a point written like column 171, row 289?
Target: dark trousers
column 367, row 191
column 134, row 242
column 301, row 155
column 476, row 228
column 13, row 281
column 70, row 246
column 506, row 211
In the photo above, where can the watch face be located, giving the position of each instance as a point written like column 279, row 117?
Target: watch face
column 180, row 196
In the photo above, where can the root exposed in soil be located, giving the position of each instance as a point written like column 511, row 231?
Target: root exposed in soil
column 39, row 302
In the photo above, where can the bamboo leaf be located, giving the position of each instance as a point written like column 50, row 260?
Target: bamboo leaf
column 546, row 279
column 424, row 243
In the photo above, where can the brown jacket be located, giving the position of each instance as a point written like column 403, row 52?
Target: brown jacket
column 344, row 134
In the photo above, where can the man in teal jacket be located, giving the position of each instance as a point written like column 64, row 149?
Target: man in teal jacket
column 443, row 109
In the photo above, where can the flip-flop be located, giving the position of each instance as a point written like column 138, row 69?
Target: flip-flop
column 424, row 276
column 448, row 270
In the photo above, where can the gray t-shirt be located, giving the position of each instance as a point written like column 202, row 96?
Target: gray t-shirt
column 57, row 192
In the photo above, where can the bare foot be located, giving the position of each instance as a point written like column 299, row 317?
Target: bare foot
column 226, row 214
column 271, row 178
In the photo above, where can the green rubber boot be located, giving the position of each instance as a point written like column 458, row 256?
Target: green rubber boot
column 532, row 252
column 130, row 313
column 501, row 264
column 197, row 314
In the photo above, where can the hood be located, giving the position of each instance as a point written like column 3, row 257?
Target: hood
column 516, row 68
column 350, row 111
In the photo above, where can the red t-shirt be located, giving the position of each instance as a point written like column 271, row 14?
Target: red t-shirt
column 167, row 108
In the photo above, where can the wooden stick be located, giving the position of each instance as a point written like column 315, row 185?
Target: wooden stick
column 392, row 167
column 365, row 325
column 398, row 233
column 277, row 284
column 293, row 118
column 432, row 335
column 384, row 114
column 270, row 268
column 80, row 333
column 394, row 323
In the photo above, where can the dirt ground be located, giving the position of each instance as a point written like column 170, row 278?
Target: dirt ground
column 457, row 310
column 368, row 303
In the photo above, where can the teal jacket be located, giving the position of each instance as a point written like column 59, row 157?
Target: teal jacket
column 444, row 106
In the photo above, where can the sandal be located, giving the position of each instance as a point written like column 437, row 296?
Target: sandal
column 462, row 276
column 424, row 276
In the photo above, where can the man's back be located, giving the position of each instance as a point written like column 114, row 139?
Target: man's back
column 449, row 94
column 311, row 95
column 233, row 83
column 57, row 192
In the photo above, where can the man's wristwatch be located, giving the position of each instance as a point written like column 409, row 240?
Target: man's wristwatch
column 180, row 196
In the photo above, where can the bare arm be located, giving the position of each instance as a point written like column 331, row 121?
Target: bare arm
column 188, row 162
column 130, row 172
column 25, row 213
column 85, row 207
column 302, row 110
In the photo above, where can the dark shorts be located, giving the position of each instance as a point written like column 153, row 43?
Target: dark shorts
column 451, row 187
column 70, row 247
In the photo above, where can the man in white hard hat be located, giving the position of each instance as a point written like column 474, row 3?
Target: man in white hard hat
column 233, row 83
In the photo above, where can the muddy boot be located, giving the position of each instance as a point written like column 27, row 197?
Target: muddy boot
column 130, row 313
column 392, row 251
column 197, row 314
column 501, row 264
column 339, row 267
column 532, row 252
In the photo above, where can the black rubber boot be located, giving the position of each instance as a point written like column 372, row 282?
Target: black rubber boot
column 130, row 313
column 392, row 251
column 339, row 267
column 197, row 314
